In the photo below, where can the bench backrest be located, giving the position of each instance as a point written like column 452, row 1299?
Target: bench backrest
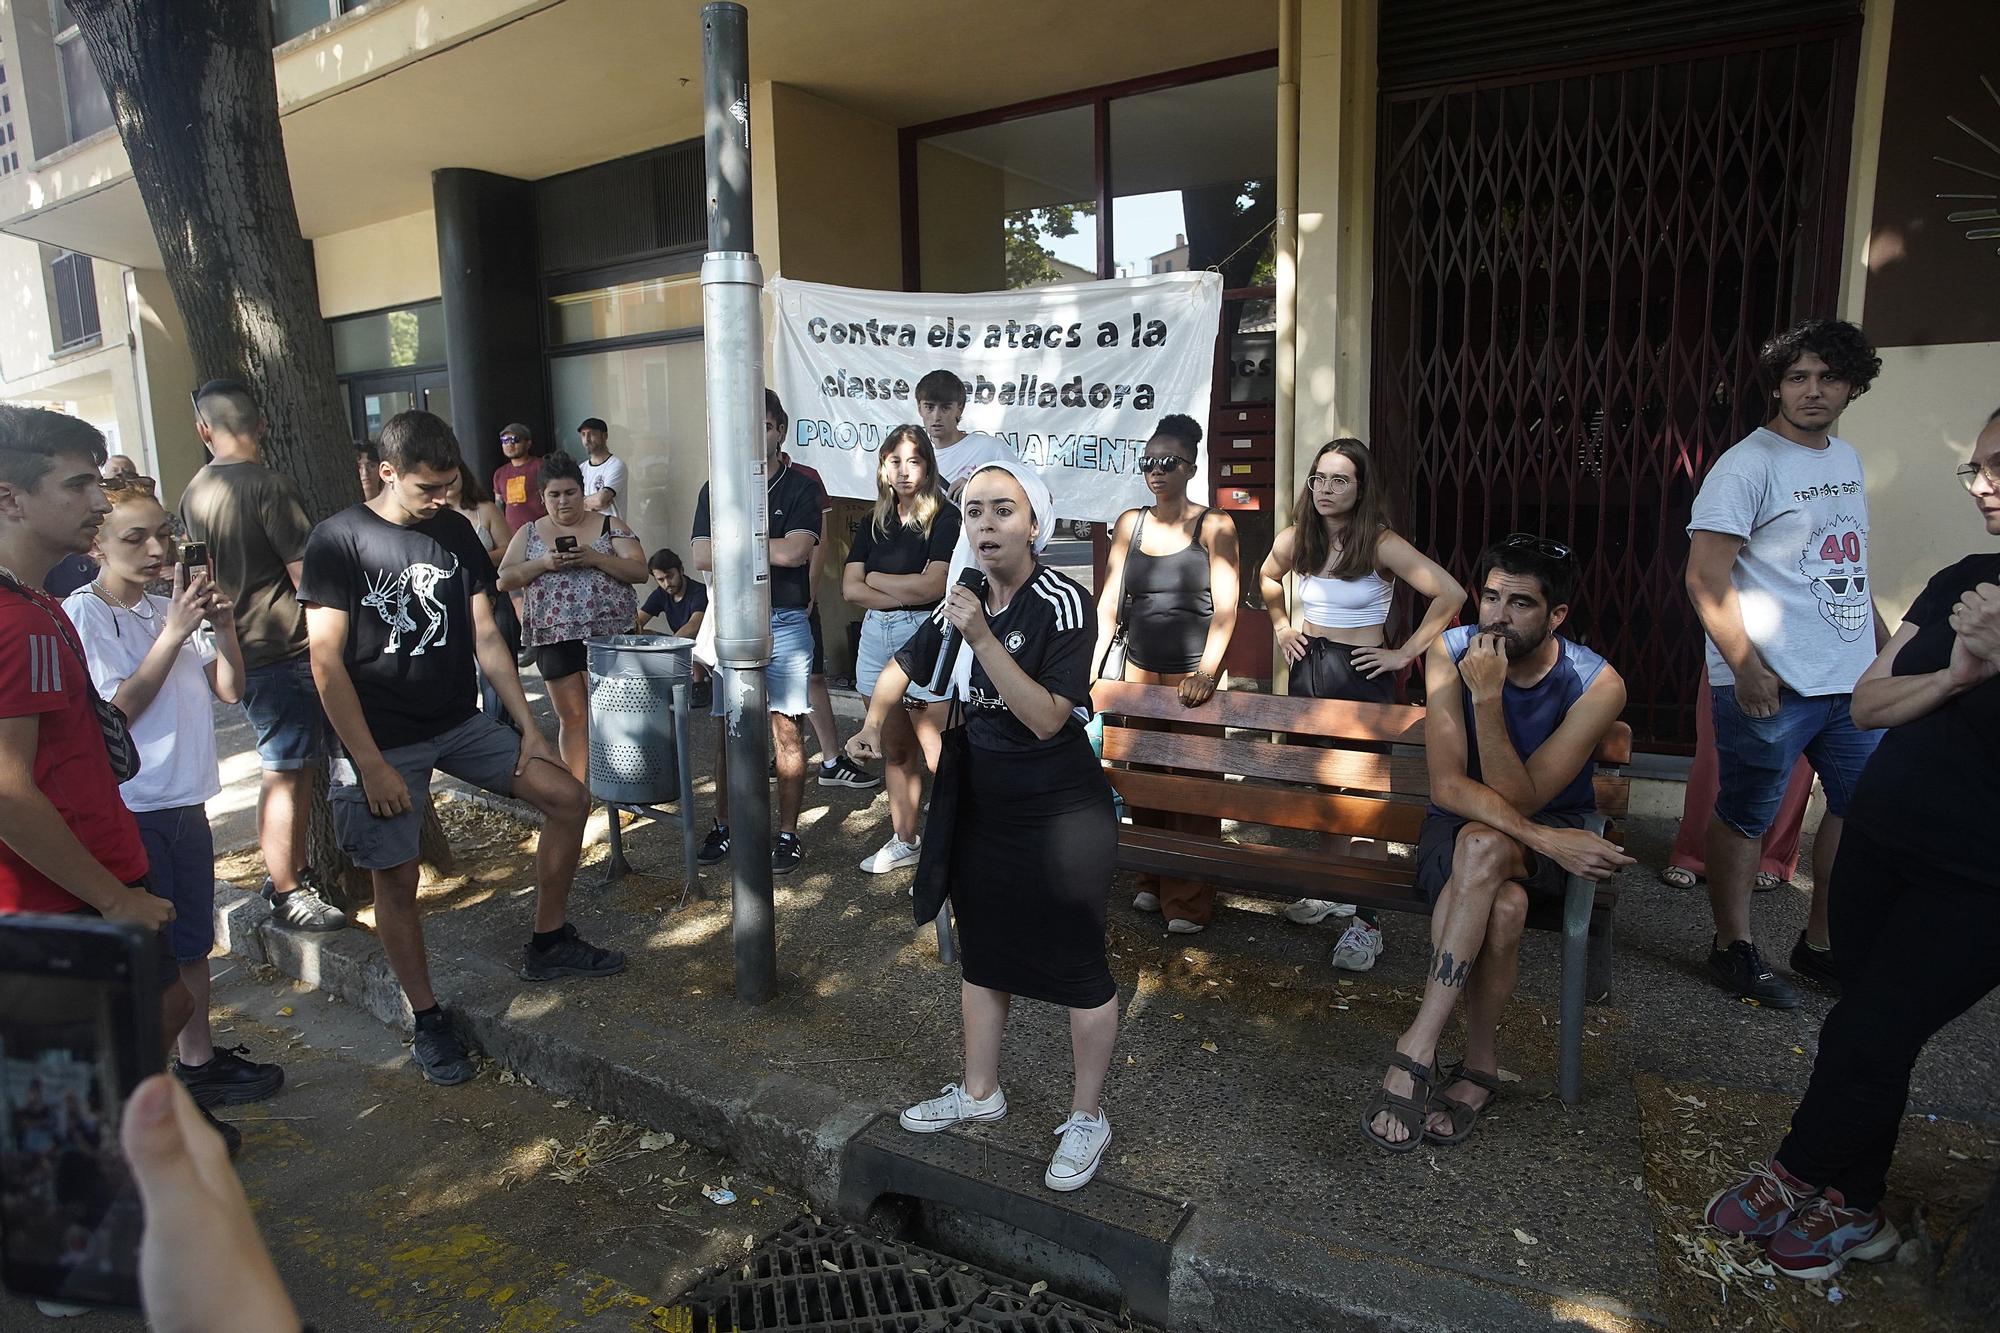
column 1284, row 749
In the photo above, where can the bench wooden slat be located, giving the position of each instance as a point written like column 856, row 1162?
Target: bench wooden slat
column 1258, row 803
column 1275, row 873
column 1400, row 775
column 1249, row 711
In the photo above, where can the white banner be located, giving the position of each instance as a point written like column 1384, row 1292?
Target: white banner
column 1072, row 378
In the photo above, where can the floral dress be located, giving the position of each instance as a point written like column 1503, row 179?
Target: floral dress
column 570, row 604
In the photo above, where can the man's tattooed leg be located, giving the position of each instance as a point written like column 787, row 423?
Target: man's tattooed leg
column 1450, row 972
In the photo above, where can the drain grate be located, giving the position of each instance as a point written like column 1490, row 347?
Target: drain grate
column 815, row 1278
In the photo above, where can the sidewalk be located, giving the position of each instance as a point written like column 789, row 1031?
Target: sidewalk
column 1242, row 1067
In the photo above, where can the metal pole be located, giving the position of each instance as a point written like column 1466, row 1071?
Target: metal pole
column 733, row 330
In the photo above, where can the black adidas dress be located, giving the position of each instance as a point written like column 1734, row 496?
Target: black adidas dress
column 1035, row 842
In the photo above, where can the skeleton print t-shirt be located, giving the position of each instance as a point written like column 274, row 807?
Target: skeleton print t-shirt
column 1802, row 575
column 407, row 592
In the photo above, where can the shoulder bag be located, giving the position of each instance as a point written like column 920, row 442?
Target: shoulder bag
column 1115, row 653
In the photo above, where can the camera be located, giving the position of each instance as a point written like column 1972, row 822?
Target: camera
column 79, row 1029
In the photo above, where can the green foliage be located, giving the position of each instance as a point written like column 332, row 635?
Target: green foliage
column 1029, row 262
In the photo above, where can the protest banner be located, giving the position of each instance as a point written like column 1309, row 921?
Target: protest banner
column 1072, row 378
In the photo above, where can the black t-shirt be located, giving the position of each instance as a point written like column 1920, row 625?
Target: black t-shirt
column 1050, row 629
column 906, row 550
column 408, row 594
column 794, row 505
column 1929, row 773
column 677, row 610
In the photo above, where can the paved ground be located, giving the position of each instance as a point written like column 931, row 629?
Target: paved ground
column 1242, row 1068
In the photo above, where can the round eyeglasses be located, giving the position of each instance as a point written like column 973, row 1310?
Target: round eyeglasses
column 1321, row 481
column 1972, row 472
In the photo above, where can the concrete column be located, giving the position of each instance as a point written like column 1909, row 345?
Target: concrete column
column 489, row 277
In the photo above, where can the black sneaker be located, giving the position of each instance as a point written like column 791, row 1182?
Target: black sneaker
column 838, row 772
column 1815, row 965
column 715, row 847
column 786, row 854
column 232, row 1137
column 1742, row 970
column 228, row 1079
column 570, row 956
column 302, row 909
column 440, row 1054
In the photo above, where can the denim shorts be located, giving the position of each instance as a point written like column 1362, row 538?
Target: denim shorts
column 480, row 750
column 883, row 634
column 283, row 705
column 180, row 859
column 1755, row 755
column 788, row 678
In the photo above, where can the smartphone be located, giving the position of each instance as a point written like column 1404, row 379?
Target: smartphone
column 79, row 1028
column 565, row 543
column 194, row 554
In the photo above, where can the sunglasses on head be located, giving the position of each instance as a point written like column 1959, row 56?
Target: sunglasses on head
column 118, row 485
column 1539, row 545
column 1162, row 463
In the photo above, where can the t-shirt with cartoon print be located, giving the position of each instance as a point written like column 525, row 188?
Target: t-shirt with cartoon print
column 1802, row 575
column 407, row 592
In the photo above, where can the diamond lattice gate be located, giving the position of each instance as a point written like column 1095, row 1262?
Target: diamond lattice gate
column 1574, row 272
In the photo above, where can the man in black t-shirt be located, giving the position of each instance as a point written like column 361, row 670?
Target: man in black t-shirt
column 399, row 607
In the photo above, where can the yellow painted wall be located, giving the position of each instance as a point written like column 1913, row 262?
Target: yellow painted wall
column 839, row 210
column 170, row 376
column 385, row 264
column 1912, row 428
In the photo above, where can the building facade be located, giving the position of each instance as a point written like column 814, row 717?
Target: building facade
column 1529, row 262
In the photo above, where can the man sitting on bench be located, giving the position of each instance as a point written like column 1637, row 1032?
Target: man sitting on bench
column 1514, row 714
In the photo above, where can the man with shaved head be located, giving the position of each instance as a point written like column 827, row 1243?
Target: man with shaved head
column 254, row 522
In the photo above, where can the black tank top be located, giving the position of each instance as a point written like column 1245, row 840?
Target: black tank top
column 1168, row 604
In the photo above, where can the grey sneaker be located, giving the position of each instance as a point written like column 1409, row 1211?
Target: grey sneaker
column 437, row 1051
column 570, row 956
column 303, row 909
column 1084, row 1139
column 954, row 1107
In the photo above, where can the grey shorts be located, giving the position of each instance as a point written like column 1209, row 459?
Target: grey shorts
column 480, row 750
column 1437, row 844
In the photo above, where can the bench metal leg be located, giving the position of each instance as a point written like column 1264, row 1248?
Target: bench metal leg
column 1575, row 946
column 1598, row 974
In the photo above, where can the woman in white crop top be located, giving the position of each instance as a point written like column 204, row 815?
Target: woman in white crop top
column 1347, row 558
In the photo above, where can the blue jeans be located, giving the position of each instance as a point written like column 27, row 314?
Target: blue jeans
column 1755, row 755
column 789, row 674
column 283, row 706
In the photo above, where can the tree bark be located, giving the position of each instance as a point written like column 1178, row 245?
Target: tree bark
column 195, row 97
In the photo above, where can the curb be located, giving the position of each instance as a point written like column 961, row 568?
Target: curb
column 1229, row 1271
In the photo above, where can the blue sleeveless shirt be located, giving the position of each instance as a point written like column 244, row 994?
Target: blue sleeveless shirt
column 1534, row 713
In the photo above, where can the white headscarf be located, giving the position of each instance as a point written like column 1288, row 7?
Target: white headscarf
column 1041, row 509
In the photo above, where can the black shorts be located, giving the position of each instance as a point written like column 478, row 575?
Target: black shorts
column 556, row 660
column 819, row 643
column 1438, row 842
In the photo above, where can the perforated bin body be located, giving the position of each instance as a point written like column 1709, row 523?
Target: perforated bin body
column 633, row 755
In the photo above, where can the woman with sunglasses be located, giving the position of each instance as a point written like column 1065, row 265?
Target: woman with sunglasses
column 1347, row 559
column 1171, row 585
column 1913, row 910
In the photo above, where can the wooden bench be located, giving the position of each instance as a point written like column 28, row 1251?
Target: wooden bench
column 1326, row 766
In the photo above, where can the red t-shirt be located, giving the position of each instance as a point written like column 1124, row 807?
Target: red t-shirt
column 517, row 486
column 43, row 675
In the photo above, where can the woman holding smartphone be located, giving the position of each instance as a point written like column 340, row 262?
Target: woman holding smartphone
column 1347, row 559
column 576, row 568
column 896, row 570
column 1034, row 840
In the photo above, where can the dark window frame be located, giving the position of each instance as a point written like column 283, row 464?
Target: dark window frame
column 74, row 321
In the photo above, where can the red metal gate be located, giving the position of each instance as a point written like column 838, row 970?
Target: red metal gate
column 1574, row 272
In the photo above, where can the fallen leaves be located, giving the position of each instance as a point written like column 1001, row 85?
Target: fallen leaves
column 1524, row 1237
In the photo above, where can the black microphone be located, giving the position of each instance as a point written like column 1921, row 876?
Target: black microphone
column 973, row 578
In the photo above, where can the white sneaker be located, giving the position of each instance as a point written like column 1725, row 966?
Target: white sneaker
column 944, row 1112
column 1145, row 902
column 60, row 1310
column 1181, row 926
column 1084, row 1139
column 1360, row 945
column 893, row 855
column 1312, row 911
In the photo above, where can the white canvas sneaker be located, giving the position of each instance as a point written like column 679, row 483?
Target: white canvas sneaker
column 1084, row 1139
column 1360, row 945
column 893, row 855
column 1312, row 911
column 952, row 1108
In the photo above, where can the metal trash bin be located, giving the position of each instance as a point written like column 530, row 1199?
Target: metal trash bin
column 634, row 756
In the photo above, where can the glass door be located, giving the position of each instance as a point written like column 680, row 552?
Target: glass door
column 373, row 399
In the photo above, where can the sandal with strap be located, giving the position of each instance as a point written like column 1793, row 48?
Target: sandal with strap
column 1410, row 1112
column 1679, row 877
column 1463, row 1117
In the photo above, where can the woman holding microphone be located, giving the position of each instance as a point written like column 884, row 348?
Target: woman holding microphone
column 1033, row 839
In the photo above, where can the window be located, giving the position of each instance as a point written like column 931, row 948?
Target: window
column 662, row 305
column 1008, row 205
column 84, row 102
column 10, row 156
column 294, row 18
column 389, row 339
column 73, row 288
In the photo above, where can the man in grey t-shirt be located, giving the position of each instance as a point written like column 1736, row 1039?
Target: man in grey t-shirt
column 1778, row 572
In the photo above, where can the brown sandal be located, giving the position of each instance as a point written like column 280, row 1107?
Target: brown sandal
column 1410, row 1112
column 1463, row 1117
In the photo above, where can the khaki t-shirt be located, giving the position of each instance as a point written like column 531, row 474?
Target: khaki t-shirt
column 254, row 521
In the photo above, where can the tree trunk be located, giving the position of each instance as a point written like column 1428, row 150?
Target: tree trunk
column 195, row 95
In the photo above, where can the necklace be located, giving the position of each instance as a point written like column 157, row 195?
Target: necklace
column 132, row 610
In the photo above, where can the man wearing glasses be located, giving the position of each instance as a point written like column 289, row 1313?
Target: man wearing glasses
column 517, row 483
column 1778, row 573
column 1515, row 714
